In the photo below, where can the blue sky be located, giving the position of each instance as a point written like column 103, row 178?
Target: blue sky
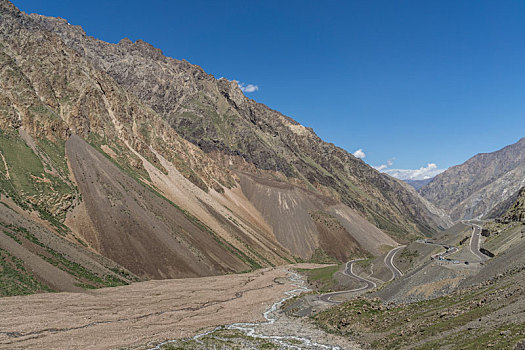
column 413, row 82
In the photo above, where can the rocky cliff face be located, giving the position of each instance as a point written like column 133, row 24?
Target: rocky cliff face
column 517, row 211
column 474, row 188
column 245, row 135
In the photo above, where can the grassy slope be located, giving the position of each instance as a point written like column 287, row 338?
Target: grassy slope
column 37, row 181
column 429, row 324
column 15, row 279
column 487, row 310
column 322, row 278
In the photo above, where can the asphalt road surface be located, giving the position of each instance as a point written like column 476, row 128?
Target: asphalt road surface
column 448, row 249
column 473, row 246
column 349, row 272
column 389, row 262
column 367, row 284
column 474, row 242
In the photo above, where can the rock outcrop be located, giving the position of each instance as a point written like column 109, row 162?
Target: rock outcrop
column 516, row 213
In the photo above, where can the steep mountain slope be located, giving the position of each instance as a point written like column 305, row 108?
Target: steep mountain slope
column 248, row 136
column 50, row 94
column 516, row 212
column 309, row 221
column 105, row 191
column 502, row 207
column 115, row 203
column 472, row 189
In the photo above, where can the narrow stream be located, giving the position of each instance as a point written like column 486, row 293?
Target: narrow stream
column 271, row 316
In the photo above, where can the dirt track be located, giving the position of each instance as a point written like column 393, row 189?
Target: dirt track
column 138, row 314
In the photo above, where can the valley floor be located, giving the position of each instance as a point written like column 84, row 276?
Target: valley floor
column 141, row 315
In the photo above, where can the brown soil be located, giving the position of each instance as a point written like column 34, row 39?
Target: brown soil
column 138, row 229
column 289, row 210
column 333, row 238
column 232, row 221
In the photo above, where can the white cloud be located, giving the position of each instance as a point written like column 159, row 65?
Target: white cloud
column 422, row 173
column 359, row 154
column 248, row 87
column 389, row 163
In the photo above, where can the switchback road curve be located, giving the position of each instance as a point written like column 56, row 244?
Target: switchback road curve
column 368, row 284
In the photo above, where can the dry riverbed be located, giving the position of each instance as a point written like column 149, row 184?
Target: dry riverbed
column 142, row 313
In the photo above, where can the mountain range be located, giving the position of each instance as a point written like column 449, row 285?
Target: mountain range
column 121, row 164
column 475, row 188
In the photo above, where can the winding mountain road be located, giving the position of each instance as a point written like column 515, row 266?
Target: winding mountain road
column 367, row 284
column 349, row 272
column 389, row 262
column 474, row 245
column 449, row 250
column 474, row 242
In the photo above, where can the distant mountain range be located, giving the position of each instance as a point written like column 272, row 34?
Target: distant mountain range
column 417, row 184
column 476, row 187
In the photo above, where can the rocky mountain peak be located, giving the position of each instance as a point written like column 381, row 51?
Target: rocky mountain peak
column 6, row 5
column 148, row 50
column 125, row 42
column 231, row 90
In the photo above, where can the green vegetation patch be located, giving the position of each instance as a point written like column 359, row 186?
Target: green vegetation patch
column 319, row 256
column 322, row 278
column 37, row 181
column 87, row 278
column 399, row 326
column 22, row 164
column 15, row 279
column 408, row 255
column 401, row 234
